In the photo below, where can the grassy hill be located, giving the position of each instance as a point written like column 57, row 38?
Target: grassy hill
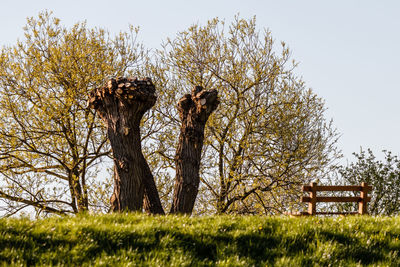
column 141, row 240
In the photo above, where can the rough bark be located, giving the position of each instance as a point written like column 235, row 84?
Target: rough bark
column 194, row 111
column 121, row 104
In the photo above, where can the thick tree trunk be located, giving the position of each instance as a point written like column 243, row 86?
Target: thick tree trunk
column 121, row 104
column 152, row 203
column 194, row 111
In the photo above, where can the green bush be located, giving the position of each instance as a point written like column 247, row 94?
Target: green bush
column 382, row 175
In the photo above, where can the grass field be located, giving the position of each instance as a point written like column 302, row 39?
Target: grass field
column 141, row 240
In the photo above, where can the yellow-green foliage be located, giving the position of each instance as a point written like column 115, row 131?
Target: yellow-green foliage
column 140, row 240
column 49, row 142
column 267, row 136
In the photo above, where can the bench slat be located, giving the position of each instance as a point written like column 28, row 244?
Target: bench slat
column 335, row 199
column 336, row 213
column 307, row 188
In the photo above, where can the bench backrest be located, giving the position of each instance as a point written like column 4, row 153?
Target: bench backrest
column 313, row 199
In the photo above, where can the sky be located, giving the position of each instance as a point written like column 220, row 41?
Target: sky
column 348, row 50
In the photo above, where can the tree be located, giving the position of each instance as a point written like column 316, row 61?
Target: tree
column 194, row 111
column 50, row 144
column 383, row 176
column 121, row 105
column 268, row 135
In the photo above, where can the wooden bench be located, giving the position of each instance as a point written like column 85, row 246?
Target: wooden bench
column 313, row 199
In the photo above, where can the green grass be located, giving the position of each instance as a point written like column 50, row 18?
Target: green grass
column 141, row 240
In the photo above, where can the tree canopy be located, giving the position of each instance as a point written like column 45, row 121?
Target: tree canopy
column 50, row 143
column 267, row 136
column 269, row 133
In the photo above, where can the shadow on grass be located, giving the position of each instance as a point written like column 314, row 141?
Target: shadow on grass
column 354, row 249
column 263, row 246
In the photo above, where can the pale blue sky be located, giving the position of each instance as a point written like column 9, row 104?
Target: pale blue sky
column 348, row 50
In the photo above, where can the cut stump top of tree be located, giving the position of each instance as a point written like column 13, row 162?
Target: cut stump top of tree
column 127, row 90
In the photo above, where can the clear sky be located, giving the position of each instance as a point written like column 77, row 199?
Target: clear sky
column 348, row 50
